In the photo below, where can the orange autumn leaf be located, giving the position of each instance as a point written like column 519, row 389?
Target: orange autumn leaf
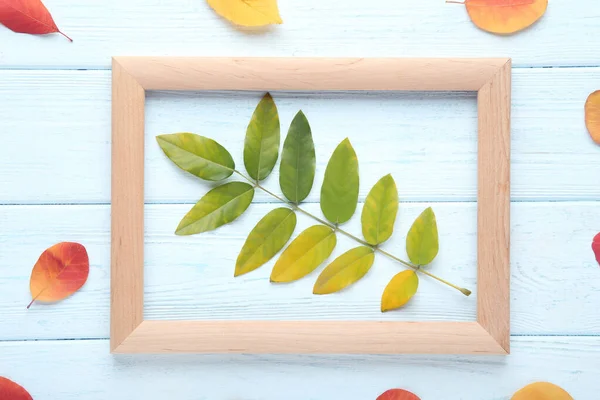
column 397, row 394
column 505, row 16
column 28, row 16
column 592, row 115
column 10, row 390
column 59, row 272
column 542, row 391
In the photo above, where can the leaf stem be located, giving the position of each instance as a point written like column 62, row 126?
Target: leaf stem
column 464, row 291
column 71, row 40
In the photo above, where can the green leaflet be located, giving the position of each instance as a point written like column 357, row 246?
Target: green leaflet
column 220, row 206
column 304, row 254
column 399, row 290
column 422, row 239
column 339, row 193
column 197, row 155
column 379, row 212
column 345, row 270
column 261, row 147
column 298, row 161
column 268, row 237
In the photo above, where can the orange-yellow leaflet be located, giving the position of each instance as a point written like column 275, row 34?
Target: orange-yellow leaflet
column 9, row 390
column 542, row 391
column 592, row 115
column 59, row 272
column 505, row 16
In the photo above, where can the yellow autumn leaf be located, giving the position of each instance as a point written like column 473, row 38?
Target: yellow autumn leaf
column 400, row 290
column 304, row 254
column 345, row 270
column 542, row 391
column 592, row 115
column 248, row 12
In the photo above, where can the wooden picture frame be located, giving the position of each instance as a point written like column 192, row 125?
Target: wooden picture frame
column 133, row 76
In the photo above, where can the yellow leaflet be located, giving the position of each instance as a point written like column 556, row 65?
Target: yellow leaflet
column 304, row 254
column 345, row 270
column 248, row 12
column 400, row 290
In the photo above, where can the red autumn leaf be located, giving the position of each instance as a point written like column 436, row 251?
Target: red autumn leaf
column 12, row 391
column 28, row 16
column 397, row 394
column 596, row 247
column 59, row 272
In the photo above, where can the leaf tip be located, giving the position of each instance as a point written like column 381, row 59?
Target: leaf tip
column 317, row 290
column 466, row 292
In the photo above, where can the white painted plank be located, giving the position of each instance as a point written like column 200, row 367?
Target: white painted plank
column 70, row 370
column 555, row 279
column 56, row 137
column 569, row 33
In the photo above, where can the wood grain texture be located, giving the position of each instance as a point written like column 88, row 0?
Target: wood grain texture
column 310, row 337
column 566, row 361
column 127, row 208
column 565, row 36
column 493, row 206
column 555, row 284
column 434, row 137
column 319, row 74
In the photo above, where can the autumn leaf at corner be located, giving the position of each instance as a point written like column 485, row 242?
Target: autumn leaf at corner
column 504, row 16
column 59, row 272
column 397, row 394
column 596, row 247
column 28, row 16
column 10, row 390
column 542, row 391
column 592, row 116
column 248, row 12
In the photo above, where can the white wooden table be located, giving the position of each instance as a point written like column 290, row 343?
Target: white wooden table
column 55, row 186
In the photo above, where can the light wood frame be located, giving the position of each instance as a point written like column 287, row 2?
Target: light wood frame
column 133, row 76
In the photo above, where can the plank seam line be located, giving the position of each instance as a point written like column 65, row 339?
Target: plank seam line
column 98, row 68
column 59, row 204
column 92, row 339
